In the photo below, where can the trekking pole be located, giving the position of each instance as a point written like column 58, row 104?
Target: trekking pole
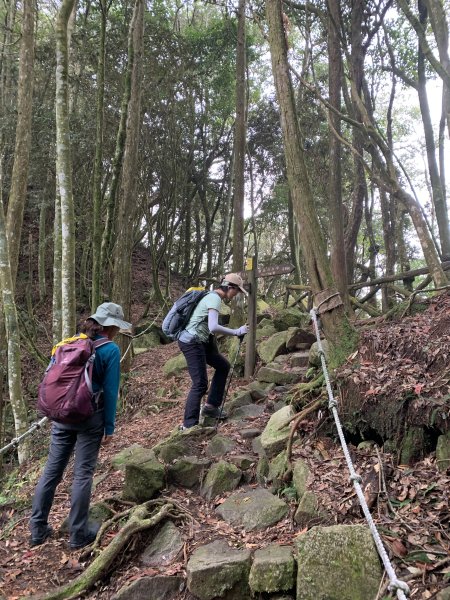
column 230, row 375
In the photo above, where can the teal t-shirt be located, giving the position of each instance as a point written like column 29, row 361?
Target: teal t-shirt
column 198, row 323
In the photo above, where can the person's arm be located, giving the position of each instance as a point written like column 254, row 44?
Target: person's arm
column 110, row 386
column 214, row 327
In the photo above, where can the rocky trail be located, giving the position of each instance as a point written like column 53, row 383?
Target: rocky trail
column 244, row 519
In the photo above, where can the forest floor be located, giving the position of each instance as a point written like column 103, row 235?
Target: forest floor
column 411, row 507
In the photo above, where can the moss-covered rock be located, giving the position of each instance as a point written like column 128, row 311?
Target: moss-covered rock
column 240, row 399
column 337, row 563
column 143, row 480
column 175, row 365
column 134, row 453
column 219, row 445
column 272, row 570
column 221, row 477
column 290, row 317
column 314, row 357
column 164, row 547
column 252, row 509
column 275, row 375
column 272, row 347
column 300, row 474
column 161, row 587
column 308, row 510
column 146, row 341
column 188, row 471
column 444, row 594
column 297, row 339
column 215, row 569
column 276, row 433
column 173, row 448
column 98, row 514
column 262, row 470
column 249, row 411
column 242, row 461
column 277, row 468
column 443, row 452
column 412, row 446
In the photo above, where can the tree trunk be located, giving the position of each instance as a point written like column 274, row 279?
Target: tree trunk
column 97, row 177
column 439, row 199
column 239, row 144
column 127, row 205
column 336, row 326
column 64, row 171
column 18, row 405
column 338, row 259
column 19, row 177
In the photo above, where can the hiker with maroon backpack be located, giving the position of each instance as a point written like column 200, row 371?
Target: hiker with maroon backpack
column 198, row 343
column 78, row 425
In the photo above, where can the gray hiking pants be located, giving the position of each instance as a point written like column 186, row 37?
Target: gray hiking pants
column 85, row 438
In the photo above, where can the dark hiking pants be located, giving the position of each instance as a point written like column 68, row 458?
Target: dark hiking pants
column 198, row 355
column 85, row 438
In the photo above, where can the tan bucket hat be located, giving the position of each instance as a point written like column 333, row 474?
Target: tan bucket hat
column 235, row 280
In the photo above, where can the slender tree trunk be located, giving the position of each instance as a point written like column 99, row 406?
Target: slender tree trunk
column 42, row 249
column 57, row 329
column 127, row 206
column 18, row 405
column 338, row 258
column 336, row 326
column 64, row 170
column 389, row 236
column 19, row 177
column 439, row 199
column 97, row 178
column 240, row 141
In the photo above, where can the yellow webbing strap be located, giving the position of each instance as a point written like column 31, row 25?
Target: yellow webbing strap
column 81, row 336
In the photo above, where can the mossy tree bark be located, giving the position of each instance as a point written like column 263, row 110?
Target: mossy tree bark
column 97, row 177
column 19, row 177
column 64, row 170
column 127, row 202
column 16, row 398
column 336, row 326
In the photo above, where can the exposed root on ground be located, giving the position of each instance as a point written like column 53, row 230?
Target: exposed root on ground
column 141, row 517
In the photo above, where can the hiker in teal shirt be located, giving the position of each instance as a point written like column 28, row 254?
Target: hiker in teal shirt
column 84, row 438
column 198, row 344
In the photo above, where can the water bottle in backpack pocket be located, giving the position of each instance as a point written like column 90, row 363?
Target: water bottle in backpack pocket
column 65, row 393
column 179, row 315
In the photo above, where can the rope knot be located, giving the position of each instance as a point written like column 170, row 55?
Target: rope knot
column 397, row 584
column 356, row 477
column 332, row 404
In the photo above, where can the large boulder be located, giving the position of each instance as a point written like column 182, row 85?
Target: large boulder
column 160, row 587
column 143, row 480
column 272, row 347
column 277, row 431
column 221, row 477
column 216, row 569
column 337, row 563
column 164, row 547
column 272, row 570
column 148, row 340
column 175, row 365
column 252, row 509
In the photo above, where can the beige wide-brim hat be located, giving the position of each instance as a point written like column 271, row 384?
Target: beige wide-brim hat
column 110, row 314
column 236, row 280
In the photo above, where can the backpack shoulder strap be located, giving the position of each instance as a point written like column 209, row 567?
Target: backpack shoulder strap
column 101, row 342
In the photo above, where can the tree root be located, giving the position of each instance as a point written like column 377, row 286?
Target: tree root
column 296, row 420
column 139, row 520
column 303, row 389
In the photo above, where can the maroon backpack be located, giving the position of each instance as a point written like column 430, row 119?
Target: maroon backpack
column 65, row 394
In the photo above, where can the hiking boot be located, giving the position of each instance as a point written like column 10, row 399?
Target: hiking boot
column 213, row 412
column 86, row 541
column 37, row 541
